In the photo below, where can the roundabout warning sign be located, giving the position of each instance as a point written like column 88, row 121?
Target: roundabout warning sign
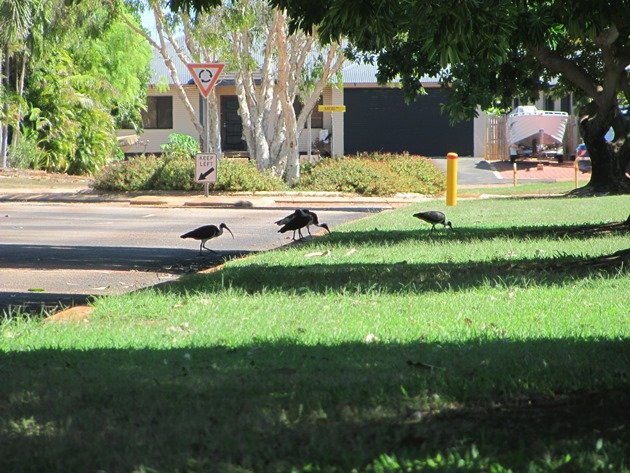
column 205, row 75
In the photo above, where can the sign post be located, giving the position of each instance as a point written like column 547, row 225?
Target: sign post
column 205, row 76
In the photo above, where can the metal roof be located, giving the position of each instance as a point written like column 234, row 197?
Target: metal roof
column 353, row 73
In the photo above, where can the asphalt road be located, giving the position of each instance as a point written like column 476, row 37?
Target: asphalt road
column 54, row 255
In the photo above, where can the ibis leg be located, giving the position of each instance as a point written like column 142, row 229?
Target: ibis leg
column 210, row 250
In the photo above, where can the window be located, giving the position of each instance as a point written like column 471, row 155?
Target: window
column 550, row 103
column 317, row 117
column 159, row 113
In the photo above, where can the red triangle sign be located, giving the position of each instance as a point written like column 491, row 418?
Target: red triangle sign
column 205, row 75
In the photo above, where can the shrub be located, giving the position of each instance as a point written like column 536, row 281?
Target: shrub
column 177, row 173
column 26, row 154
column 237, row 176
column 70, row 122
column 376, row 174
column 181, row 146
column 132, row 175
column 173, row 173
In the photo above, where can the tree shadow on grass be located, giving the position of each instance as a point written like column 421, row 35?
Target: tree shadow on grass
column 270, row 406
column 467, row 233
column 401, row 277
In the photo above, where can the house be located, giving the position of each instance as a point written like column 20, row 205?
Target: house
column 377, row 118
column 166, row 114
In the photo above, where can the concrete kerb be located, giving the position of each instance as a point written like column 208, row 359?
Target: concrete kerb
column 232, row 200
column 278, row 201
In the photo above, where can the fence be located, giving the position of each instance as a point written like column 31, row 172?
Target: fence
column 496, row 139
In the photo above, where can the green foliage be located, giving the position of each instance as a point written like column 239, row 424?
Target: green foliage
column 131, row 175
column 449, row 462
column 119, row 57
column 238, row 176
column 75, row 130
column 173, row 173
column 177, row 173
column 181, row 145
column 26, row 154
column 375, row 174
column 82, row 66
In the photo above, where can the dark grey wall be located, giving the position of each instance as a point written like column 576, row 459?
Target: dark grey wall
column 379, row 120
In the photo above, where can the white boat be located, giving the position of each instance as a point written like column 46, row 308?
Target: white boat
column 533, row 132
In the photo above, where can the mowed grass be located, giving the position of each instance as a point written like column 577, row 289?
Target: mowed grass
column 501, row 345
column 527, row 189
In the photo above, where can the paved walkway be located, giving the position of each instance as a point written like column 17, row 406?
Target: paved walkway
column 472, row 172
column 259, row 200
column 537, row 171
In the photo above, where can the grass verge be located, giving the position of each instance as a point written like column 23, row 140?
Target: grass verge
column 502, row 345
column 521, row 190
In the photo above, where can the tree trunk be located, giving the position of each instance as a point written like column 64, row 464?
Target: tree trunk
column 214, row 122
column 3, row 156
column 288, row 112
column 4, row 129
column 19, row 88
column 610, row 162
column 168, row 62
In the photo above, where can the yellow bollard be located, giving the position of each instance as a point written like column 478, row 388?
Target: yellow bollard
column 451, row 179
column 575, row 170
column 514, row 174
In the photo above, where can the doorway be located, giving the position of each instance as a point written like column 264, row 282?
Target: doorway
column 231, row 125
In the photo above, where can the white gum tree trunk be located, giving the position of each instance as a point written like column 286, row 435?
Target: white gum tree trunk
column 270, row 126
column 166, row 38
column 286, row 81
column 252, row 101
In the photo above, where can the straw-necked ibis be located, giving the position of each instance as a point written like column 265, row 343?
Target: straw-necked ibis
column 205, row 233
column 434, row 217
column 299, row 219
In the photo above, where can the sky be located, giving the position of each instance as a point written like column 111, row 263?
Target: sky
column 149, row 23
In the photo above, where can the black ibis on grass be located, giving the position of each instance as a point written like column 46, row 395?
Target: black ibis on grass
column 299, row 219
column 205, row 233
column 434, row 217
column 289, row 218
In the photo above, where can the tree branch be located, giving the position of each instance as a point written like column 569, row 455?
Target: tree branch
column 190, row 44
column 140, row 31
column 575, row 74
column 607, row 37
column 157, row 13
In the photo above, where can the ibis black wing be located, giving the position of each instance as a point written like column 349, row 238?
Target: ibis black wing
column 207, row 231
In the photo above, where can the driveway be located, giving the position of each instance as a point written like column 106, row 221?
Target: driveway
column 473, row 171
column 55, row 255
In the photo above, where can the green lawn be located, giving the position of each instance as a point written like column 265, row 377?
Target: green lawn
column 501, row 345
column 527, row 189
